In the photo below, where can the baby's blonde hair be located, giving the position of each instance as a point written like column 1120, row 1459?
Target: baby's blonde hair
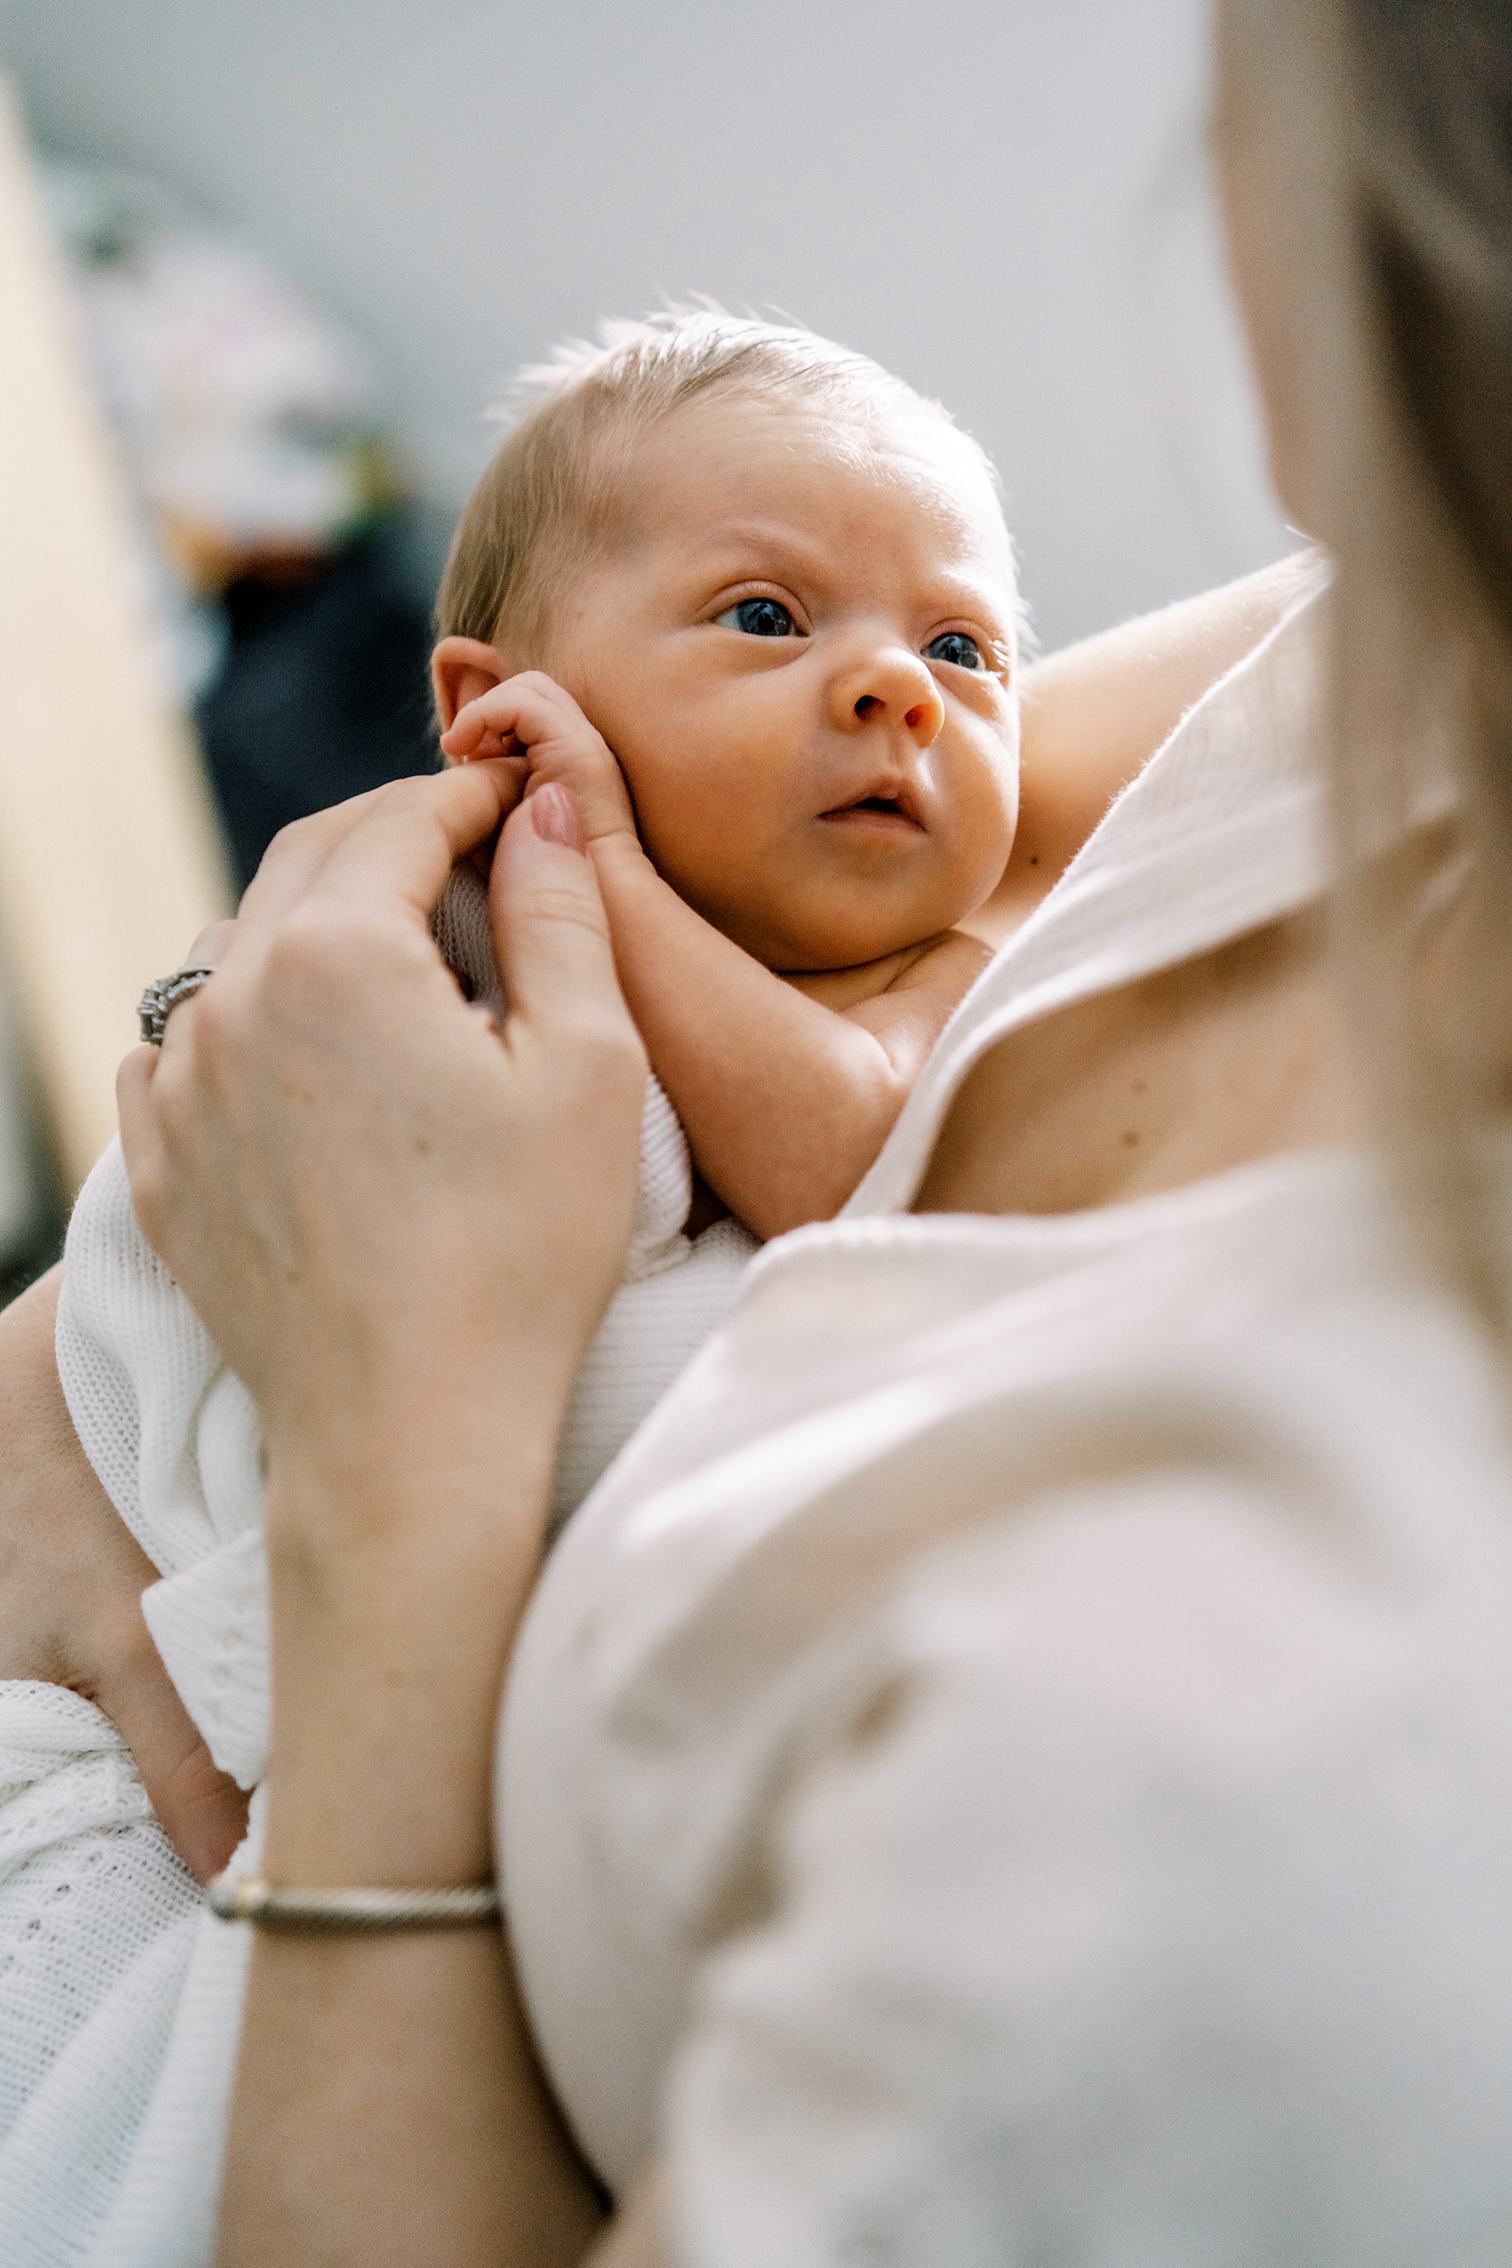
column 555, row 493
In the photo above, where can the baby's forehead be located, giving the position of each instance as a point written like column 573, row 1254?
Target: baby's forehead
column 739, row 451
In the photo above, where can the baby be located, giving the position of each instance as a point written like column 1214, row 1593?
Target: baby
column 772, row 597
column 752, row 600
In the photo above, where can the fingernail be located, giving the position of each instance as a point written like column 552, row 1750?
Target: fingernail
column 555, row 817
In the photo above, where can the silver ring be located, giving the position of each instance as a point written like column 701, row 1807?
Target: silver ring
column 160, row 999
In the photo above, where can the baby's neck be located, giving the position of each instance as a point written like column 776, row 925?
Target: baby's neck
column 840, row 989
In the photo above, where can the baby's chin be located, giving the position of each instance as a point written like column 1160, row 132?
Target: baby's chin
column 827, row 948
column 833, row 926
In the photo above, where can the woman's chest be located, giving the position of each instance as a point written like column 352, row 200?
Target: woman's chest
column 1230, row 1057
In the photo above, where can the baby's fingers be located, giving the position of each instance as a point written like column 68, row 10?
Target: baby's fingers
column 487, row 743
column 511, row 717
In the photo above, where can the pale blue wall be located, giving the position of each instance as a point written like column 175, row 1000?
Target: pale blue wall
column 1003, row 199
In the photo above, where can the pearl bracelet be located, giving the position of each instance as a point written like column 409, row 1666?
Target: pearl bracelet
column 243, row 1898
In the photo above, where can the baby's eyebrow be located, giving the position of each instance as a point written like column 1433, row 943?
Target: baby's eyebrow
column 730, row 547
column 737, row 536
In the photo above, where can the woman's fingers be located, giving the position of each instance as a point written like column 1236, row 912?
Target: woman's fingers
column 550, row 929
column 296, row 855
column 354, row 1179
column 432, row 813
column 405, row 845
column 209, row 948
column 140, row 1138
column 395, row 846
column 396, row 841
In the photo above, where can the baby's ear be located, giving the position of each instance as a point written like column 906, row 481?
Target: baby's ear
column 461, row 670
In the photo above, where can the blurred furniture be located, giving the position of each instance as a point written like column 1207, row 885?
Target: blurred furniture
column 110, row 856
column 323, row 692
column 273, row 528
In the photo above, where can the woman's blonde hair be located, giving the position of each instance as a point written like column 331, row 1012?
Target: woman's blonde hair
column 556, row 492
column 1387, row 146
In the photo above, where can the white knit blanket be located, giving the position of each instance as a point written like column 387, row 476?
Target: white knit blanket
column 99, row 1923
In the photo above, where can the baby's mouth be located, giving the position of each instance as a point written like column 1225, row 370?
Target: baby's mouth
column 882, row 812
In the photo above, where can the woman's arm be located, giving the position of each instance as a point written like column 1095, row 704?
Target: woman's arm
column 388, row 2106
column 360, row 1184
column 1095, row 713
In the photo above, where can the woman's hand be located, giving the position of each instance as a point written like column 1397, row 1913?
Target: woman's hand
column 71, row 1583
column 386, row 1212
column 401, row 1226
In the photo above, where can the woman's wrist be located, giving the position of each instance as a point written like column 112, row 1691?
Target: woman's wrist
column 386, row 1693
column 443, row 1407
column 395, row 1590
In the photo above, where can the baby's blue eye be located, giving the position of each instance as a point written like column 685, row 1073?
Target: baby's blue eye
column 759, row 618
column 955, row 646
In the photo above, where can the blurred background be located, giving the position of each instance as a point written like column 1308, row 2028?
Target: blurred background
column 304, row 243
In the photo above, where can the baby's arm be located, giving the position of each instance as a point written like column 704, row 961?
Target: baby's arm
column 787, row 1088
column 1095, row 713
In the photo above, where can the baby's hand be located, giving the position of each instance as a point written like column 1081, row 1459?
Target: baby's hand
column 530, row 716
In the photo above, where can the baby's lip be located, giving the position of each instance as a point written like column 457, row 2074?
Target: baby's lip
column 881, row 800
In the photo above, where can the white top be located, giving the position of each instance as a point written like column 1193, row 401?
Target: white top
column 1046, row 1791
column 1015, row 1761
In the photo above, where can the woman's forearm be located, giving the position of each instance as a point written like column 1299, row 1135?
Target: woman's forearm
column 389, row 2111
column 389, row 2108
column 1095, row 713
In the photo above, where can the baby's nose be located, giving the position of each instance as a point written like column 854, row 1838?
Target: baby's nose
column 889, row 684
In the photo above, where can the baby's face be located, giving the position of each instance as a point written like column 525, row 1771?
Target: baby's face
column 800, row 657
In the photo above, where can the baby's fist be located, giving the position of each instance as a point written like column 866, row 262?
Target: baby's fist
column 533, row 717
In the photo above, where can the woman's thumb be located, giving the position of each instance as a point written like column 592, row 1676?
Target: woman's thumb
column 550, row 929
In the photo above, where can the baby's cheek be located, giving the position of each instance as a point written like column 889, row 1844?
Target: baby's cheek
column 676, row 849
column 985, row 820
column 694, row 823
